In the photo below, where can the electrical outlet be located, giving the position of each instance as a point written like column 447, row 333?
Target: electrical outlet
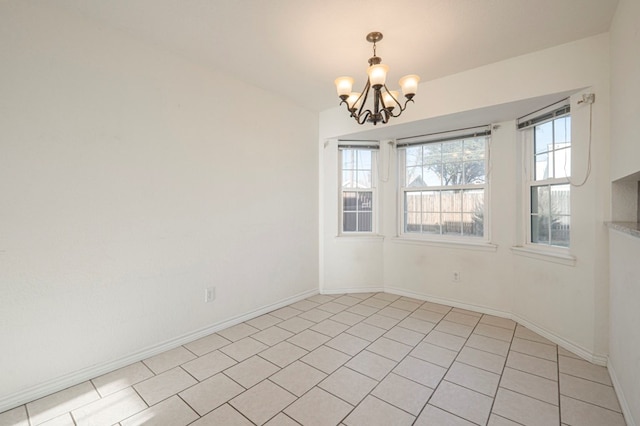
column 209, row 294
column 456, row 276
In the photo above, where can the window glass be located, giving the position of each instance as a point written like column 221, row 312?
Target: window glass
column 444, row 187
column 550, row 201
column 357, row 193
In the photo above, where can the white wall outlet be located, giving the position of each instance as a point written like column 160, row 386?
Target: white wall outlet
column 209, row 294
column 455, row 277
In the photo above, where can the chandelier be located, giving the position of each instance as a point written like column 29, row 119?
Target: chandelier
column 385, row 103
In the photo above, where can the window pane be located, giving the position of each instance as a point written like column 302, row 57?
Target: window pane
column 414, row 177
column 473, row 201
column 365, row 222
column 544, row 137
column 364, row 179
column 432, row 174
column 349, row 221
column 560, row 199
column 474, row 149
column 451, row 151
column 542, row 167
column 412, row 201
column 349, row 201
column 349, row 178
column 560, row 231
column 474, row 172
column 473, row 218
column 431, row 201
column 451, row 223
column 451, row 201
column 348, row 159
column 432, row 153
column 413, row 156
column 540, row 200
column 562, row 163
column 363, row 159
column 472, row 224
column 451, row 174
column 412, row 222
column 540, row 229
column 431, row 223
column 365, row 201
column 562, row 131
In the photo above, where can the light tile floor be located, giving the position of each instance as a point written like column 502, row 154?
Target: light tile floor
column 357, row 359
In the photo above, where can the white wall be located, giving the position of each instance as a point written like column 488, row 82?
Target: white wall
column 624, row 358
column 568, row 303
column 625, row 89
column 130, row 180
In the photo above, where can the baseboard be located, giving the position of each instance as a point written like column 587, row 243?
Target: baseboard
column 624, row 404
column 63, row 382
column 564, row 343
column 352, row 290
column 448, row 302
column 560, row 341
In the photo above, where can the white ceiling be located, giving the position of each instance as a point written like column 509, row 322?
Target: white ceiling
column 298, row 47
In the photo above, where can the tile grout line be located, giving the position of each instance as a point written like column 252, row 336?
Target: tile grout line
column 592, row 404
column 448, row 368
column 559, row 394
column 506, row 358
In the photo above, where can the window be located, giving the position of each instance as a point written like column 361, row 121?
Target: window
column 548, row 182
column 357, row 189
column 442, row 187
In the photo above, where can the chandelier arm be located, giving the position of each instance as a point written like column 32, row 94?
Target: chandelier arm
column 394, row 99
column 361, row 118
column 347, row 106
column 402, row 108
column 386, row 114
column 365, row 93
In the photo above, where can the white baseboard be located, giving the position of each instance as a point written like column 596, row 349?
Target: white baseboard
column 63, row 382
column 583, row 353
column 352, row 290
column 448, row 302
column 560, row 341
column 624, row 404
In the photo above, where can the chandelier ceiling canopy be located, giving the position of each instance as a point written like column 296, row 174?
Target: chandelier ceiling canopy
column 384, row 103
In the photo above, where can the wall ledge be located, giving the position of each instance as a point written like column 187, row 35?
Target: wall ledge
column 465, row 245
column 629, row 228
column 548, row 256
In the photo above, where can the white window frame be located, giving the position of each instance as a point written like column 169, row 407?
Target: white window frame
column 463, row 134
column 530, row 182
column 374, row 149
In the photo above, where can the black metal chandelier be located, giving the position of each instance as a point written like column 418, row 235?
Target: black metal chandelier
column 385, row 102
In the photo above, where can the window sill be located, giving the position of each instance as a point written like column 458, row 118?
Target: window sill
column 464, row 245
column 359, row 238
column 546, row 255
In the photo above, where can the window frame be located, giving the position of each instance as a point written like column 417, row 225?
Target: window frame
column 530, row 182
column 403, row 189
column 374, row 149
